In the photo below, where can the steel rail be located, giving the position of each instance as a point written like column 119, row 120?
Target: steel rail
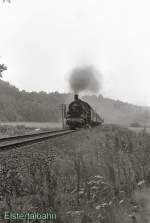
column 10, row 138
column 34, row 140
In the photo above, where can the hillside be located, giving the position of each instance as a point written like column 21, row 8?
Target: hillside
column 18, row 105
column 24, row 106
column 115, row 111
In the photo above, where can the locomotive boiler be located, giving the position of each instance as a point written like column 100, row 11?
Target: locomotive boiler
column 81, row 115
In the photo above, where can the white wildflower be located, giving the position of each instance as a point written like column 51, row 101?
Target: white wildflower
column 121, row 201
column 141, row 182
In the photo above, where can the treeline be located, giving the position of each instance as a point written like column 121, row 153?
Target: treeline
column 16, row 105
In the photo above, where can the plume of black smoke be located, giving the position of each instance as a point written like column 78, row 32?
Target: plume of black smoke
column 85, row 78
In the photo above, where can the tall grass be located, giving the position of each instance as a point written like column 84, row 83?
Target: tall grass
column 89, row 177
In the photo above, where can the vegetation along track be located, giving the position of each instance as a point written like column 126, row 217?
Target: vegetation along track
column 28, row 139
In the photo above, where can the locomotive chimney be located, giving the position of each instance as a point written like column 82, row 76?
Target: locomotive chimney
column 76, row 97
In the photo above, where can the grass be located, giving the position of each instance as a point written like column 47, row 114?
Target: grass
column 8, row 130
column 88, row 177
column 34, row 124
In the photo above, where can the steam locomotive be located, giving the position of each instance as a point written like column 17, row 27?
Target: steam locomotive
column 81, row 115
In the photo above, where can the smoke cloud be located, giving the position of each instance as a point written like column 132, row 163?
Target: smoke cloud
column 85, row 78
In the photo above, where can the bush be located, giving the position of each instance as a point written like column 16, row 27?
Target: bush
column 135, row 125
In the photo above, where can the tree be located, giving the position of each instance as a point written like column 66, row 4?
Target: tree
column 2, row 68
column 135, row 125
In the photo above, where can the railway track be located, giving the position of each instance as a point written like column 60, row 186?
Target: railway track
column 8, row 143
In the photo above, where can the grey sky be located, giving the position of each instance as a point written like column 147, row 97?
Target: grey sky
column 42, row 40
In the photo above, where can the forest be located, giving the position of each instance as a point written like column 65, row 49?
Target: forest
column 20, row 105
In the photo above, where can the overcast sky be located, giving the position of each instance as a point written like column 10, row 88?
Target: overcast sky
column 42, row 40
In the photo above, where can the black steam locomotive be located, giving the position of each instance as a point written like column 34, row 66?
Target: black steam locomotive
column 81, row 115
